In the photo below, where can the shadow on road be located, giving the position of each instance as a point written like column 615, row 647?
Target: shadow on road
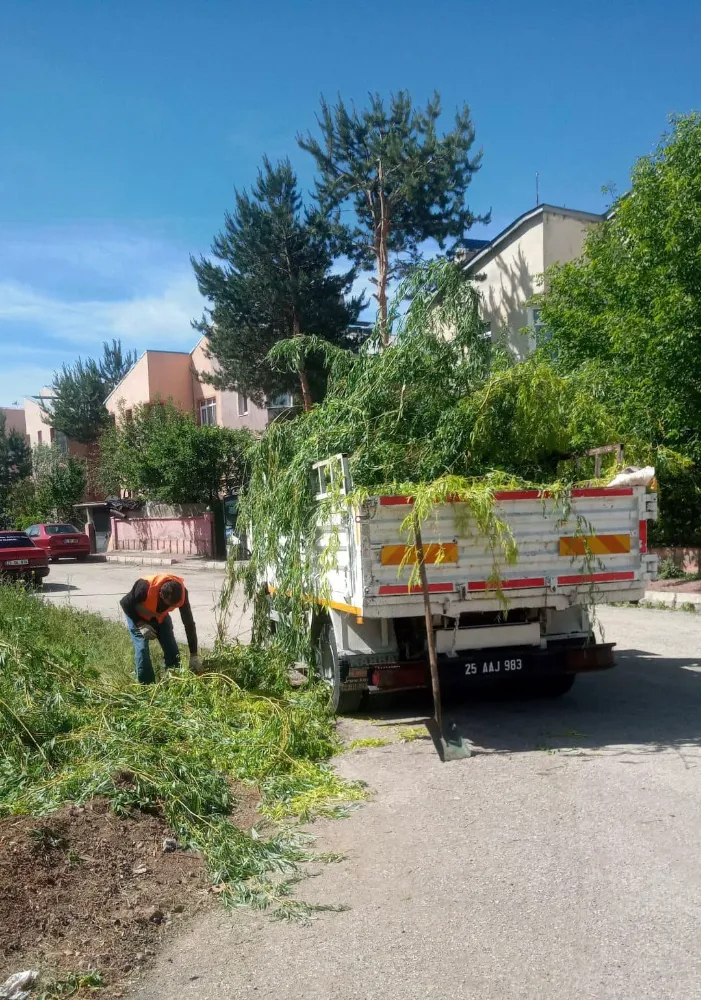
column 57, row 588
column 649, row 702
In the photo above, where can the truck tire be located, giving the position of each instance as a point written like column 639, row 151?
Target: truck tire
column 556, row 686
column 329, row 670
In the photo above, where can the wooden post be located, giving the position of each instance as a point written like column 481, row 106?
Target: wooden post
column 430, row 635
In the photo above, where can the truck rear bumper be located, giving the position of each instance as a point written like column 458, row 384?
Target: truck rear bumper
column 488, row 667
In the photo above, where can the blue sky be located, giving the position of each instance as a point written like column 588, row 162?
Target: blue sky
column 126, row 125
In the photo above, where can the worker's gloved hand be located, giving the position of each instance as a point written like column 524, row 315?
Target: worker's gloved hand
column 147, row 632
column 196, row 664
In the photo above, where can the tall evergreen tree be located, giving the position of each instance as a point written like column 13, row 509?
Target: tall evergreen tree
column 403, row 182
column 77, row 406
column 115, row 364
column 15, row 457
column 273, row 283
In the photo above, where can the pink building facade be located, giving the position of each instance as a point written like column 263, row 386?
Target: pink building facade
column 14, row 420
column 178, row 376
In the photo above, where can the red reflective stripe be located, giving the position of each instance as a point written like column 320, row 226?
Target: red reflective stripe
column 566, row 581
column 642, row 535
column 394, row 501
column 535, row 581
column 398, row 588
column 604, row 491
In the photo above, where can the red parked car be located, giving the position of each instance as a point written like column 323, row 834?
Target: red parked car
column 61, row 541
column 20, row 559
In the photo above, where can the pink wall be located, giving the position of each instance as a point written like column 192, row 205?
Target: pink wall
column 687, row 559
column 156, row 375
column 132, row 390
column 190, row 536
column 170, row 377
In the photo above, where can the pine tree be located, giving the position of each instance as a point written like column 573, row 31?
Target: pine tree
column 404, row 183
column 115, row 364
column 77, row 405
column 15, row 458
column 274, row 283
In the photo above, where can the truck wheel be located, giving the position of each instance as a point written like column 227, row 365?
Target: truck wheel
column 330, row 672
column 555, row 687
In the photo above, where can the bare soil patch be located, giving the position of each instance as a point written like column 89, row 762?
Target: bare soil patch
column 83, row 889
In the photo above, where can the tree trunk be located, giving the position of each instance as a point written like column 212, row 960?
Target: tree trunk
column 382, row 257
column 382, row 291
column 304, row 384
column 302, row 370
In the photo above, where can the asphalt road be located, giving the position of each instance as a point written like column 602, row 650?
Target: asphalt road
column 560, row 862
column 98, row 586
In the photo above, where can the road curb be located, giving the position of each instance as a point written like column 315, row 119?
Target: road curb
column 134, row 559
column 673, row 599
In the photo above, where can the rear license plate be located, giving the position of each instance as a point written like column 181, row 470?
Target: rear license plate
column 70, row 541
column 17, row 562
column 489, row 667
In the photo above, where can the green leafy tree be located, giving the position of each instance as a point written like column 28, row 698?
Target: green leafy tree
column 273, row 282
column 404, row 183
column 627, row 316
column 57, row 483
column 77, row 404
column 162, row 454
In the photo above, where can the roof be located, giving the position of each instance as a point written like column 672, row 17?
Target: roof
column 506, row 235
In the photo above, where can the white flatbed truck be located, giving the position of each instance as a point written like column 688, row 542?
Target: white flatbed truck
column 529, row 622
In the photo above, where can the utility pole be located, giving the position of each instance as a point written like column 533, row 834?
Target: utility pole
column 537, row 193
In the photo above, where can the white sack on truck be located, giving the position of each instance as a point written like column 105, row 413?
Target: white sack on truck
column 633, row 476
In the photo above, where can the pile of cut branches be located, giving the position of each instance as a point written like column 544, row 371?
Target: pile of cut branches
column 442, row 410
column 70, row 732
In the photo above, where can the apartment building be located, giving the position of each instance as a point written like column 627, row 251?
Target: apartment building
column 178, row 376
column 511, row 268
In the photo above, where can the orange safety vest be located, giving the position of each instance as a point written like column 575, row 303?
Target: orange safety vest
column 148, row 609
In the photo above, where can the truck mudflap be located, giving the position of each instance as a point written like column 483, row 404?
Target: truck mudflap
column 486, row 666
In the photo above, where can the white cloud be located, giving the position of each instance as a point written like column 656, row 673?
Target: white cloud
column 64, row 290
column 22, row 380
column 159, row 318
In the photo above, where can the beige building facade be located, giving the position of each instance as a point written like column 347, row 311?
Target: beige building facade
column 510, row 270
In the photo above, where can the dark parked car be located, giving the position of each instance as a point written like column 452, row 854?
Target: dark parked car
column 20, row 559
column 60, row 541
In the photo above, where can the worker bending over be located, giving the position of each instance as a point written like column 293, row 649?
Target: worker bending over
column 148, row 606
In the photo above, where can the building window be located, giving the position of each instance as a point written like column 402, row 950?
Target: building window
column 243, row 404
column 537, row 325
column 39, row 437
column 281, row 402
column 128, row 416
column 208, row 412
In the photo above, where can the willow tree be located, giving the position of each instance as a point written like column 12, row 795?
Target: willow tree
column 403, row 182
column 271, row 280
